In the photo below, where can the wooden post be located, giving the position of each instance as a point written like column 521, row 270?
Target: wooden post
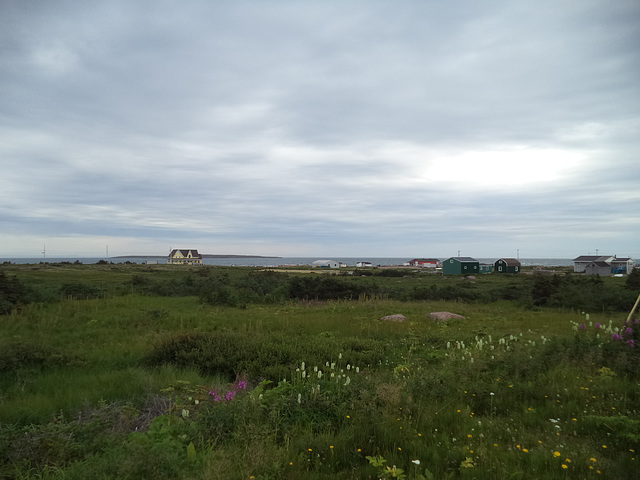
column 634, row 308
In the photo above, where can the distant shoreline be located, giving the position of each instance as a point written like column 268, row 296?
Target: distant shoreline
column 204, row 255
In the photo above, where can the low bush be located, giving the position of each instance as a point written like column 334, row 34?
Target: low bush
column 19, row 355
column 229, row 354
column 325, row 287
column 13, row 293
column 80, row 291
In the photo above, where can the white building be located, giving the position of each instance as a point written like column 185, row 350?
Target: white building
column 580, row 263
column 325, row 264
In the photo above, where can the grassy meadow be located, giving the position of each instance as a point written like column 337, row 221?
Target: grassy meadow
column 174, row 372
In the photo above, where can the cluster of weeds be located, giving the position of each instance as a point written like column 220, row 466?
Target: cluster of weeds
column 268, row 356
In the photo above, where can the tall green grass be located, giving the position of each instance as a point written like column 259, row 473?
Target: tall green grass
column 118, row 386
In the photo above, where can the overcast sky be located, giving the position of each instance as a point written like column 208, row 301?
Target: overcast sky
column 320, row 128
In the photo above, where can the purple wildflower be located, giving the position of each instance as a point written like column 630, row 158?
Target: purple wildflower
column 583, row 326
column 631, row 343
column 598, row 325
column 216, row 396
column 229, row 396
column 242, row 385
column 628, row 331
column 616, row 336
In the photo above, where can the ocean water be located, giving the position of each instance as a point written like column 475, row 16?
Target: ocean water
column 278, row 261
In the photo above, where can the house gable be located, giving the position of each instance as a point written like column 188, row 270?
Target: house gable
column 507, row 265
column 185, row 257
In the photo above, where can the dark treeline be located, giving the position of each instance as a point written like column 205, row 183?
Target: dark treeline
column 532, row 291
column 239, row 288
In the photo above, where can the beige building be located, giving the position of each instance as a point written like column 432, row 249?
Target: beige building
column 185, row 257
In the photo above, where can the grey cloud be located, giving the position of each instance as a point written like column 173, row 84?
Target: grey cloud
column 315, row 122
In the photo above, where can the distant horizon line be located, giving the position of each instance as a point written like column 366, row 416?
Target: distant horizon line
column 209, row 255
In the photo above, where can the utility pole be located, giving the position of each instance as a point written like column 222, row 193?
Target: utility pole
column 44, row 251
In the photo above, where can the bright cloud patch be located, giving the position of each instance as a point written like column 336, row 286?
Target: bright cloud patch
column 504, row 168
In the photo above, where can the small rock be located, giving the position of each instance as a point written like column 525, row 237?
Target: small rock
column 394, row 318
column 444, row 316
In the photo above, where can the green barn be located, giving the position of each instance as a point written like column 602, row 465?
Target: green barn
column 507, row 265
column 460, row 266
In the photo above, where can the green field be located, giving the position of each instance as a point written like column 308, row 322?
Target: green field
column 173, row 372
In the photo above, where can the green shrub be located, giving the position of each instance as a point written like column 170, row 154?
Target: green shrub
column 12, row 293
column 324, row 287
column 272, row 356
column 80, row 291
column 18, row 355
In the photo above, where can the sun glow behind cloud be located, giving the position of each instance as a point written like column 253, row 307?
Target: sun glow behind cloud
column 504, row 169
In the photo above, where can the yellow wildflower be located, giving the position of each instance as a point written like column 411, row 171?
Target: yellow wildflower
column 564, row 466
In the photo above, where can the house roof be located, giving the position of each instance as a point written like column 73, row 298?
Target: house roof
column 621, row 259
column 511, row 262
column 599, row 264
column 465, row 259
column 185, row 252
column 591, row 258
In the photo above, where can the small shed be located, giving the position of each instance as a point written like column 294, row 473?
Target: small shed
column 598, row 268
column 364, row 265
column 507, row 265
column 486, row 268
column 460, row 266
